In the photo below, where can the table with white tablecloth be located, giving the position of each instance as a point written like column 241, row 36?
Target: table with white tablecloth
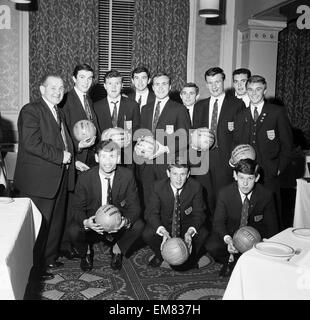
column 260, row 277
column 302, row 204
column 20, row 222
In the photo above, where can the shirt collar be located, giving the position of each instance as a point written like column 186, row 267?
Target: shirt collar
column 102, row 176
column 219, row 99
column 49, row 104
column 143, row 94
column 163, row 101
column 175, row 189
column 259, row 107
column 114, row 100
column 244, row 195
column 80, row 94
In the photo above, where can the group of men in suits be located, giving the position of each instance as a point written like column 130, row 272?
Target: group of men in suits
column 47, row 145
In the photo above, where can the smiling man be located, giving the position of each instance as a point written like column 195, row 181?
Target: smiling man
column 243, row 203
column 240, row 77
column 44, row 169
column 179, row 189
column 266, row 127
column 104, row 184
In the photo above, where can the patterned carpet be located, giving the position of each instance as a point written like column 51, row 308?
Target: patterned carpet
column 135, row 281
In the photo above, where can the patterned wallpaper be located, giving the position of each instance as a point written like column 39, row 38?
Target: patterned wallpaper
column 9, row 57
column 207, row 55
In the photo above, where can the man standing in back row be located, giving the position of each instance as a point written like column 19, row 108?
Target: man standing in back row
column 218, row 114
column 45, row 169
column 266, row 127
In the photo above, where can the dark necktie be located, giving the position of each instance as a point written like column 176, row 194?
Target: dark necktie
column 109, row 194
column 61, row 127
column 245, row 212
column 156, row 117
column 176, row 219
column 214, row 119
column 114, row 114
column 57, row 116
column 87, row 109
column 140, row 100
column 256, row 115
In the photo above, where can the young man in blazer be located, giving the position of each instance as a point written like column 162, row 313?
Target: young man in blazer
column 160, row 210
column 164, row 117
column 141, row 78
column 78, row 106
column 45, row 170
column 92, row 192
column 218, row 114
column 267, row 129
column 261, row 213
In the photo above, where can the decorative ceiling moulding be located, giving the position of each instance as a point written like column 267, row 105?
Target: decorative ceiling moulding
column 261, row 30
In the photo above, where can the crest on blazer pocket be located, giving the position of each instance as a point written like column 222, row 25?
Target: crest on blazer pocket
column 231, row 126
column 258, row 218
column 169, row 128
column 188, row 211
column 123, row 203
column 271, row 134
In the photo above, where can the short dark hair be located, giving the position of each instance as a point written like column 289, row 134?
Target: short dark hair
column 112, row 74
column 247, row 166
column 161, row 74
column 191, row 85
column 178, row 162
column 242, row 71
column 82, row 66
column 256, row 79
column 49, row 75
column 108, row 146
column 140, row 69
column 213, row 72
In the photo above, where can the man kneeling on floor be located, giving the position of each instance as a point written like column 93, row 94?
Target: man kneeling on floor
column 107, row 183
column 179, row 192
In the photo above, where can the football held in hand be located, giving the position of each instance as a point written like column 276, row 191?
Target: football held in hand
column 109, row 217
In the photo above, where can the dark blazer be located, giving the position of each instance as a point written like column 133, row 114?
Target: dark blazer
column 150, row 97
column 159, row 210
column 173, row 114
column 226, row 123
column 39, row 167
column 274, row 138
column 74, row 112
column 262, row 212
column 88, row 194
column 128, row 109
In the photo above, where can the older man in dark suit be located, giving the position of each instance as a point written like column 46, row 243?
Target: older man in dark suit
column 44, row 170
column 266, row 127
column 106, row 184
column 218, row 114
column 178, row 189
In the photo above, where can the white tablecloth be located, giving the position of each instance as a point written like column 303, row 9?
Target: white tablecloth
column 302, row 205
column 260, row 277
column 19, row 226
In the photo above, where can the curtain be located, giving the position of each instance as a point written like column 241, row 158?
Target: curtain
column 62, row 34
column 293, row 76
column 160, row 37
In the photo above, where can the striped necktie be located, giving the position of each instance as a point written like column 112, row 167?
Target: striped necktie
column 176, row 219
column 114, row 114
column 245, row 212
column 87, row 109
column 156, row 117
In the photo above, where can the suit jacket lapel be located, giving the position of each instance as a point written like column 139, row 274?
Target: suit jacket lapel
column 97, row 188
column 163, row 113
column 253, row 201
column 207, row 108
column 262, row 116
column 116, row 185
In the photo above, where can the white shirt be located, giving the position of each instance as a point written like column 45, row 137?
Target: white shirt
column 242, row 195
column 259, row 108
column 81, row 96
column 245, row 98
column 51, row 106
column 144, row 96
column 104, row 186
column 162, row 105
column 111, row 105
column 220, row 100
column 190, row 111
